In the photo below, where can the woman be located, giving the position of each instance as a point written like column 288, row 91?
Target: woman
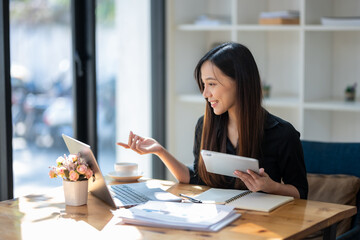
column 235, row 122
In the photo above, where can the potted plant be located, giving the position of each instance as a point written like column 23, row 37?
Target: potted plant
column 75, row 173
column 350, row 93
column 266, row 88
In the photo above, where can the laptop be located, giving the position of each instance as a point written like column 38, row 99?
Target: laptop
column 122, row 195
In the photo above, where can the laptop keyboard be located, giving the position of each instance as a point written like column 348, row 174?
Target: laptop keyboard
column 127, row 195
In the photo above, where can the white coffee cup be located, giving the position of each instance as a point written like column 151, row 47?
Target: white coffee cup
column 126, row 168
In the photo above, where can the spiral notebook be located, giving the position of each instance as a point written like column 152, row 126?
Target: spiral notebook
column 244, row 199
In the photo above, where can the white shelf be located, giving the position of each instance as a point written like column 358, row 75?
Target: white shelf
column 306, row 61
column 331, row 28
column 191, row 98
column 249, row 27
column 333, row 105
column 286, row 102
column 257, row 27
column 192, row 27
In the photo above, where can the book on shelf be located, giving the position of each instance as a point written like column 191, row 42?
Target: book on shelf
column 279, row 21
column 280, row 14
column 244, row 199
column 280, row 17
column 188, row 216
column 340, row 21
column 211, row 20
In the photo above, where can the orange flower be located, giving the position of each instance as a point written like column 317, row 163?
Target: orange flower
column 81, row 169
column 52, row 173
column 60, row 171
column 73, row 176
column 88, row 173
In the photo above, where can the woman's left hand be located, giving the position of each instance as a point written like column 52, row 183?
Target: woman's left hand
column 256, row 181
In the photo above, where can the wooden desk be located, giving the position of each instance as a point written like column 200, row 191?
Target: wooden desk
column 45, row 216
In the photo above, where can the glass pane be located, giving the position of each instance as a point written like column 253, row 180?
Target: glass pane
column 41, row 78
column 106, row 79
column 123, row 79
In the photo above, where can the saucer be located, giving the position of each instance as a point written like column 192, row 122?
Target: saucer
column 121, row 178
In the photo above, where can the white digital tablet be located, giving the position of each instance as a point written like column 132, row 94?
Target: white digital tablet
column 226, row 164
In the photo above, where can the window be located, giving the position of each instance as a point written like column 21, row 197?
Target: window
column 123, row 79
column 41, row 81
column 46, row 100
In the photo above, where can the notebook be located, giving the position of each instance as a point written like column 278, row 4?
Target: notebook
column 244, row 199
column 226, row 164
column 117, row 195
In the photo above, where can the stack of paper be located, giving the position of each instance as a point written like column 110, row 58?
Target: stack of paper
column 211, row 20
column 280, row 17
column 189, row 216
column 281, row 14
column 340, row 21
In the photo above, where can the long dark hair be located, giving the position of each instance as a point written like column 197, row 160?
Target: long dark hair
column 237, row 62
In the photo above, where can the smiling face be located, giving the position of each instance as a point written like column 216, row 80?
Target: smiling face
column 219, row 89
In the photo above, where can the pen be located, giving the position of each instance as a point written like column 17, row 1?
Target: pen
column 190, row 198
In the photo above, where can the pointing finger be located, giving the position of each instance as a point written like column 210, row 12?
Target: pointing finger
column 130, row 138
column 123, row 144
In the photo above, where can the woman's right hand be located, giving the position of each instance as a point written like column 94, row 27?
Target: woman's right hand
column 142, row 145
column 148, row 145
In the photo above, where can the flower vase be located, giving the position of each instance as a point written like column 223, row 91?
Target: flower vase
column 76, row 193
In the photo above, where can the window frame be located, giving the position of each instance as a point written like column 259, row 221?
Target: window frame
column 158, row 83
column 84, row 85
column 83, row 23
column 6, row 156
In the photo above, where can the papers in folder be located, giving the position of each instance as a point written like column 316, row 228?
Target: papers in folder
column 189, row 216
